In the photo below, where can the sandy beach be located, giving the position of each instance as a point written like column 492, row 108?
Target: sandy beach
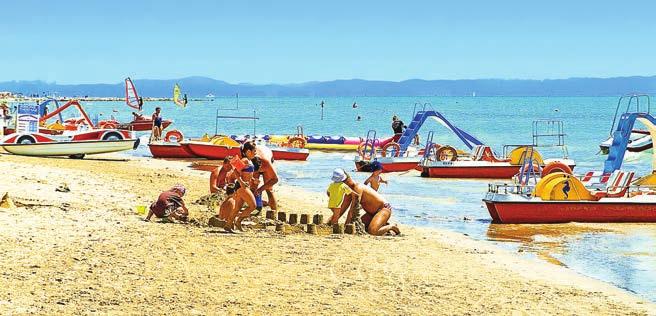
column 87, row 251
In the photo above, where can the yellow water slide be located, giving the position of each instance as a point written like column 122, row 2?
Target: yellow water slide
column 518, row 155
column 561, row 186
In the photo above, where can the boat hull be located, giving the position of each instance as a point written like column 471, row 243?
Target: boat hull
column 143, row 125
column 169, row 150
column 389, row 165
column 210, row 151
column 71, row 148
column 296, row 154
column 331, row 147
column 544, row 212
column 639, row 141
column 472, row 170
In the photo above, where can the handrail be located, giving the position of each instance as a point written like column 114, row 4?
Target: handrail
column 254, row 118
column 631, row 97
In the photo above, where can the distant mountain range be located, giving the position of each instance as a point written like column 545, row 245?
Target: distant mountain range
column 201, row 86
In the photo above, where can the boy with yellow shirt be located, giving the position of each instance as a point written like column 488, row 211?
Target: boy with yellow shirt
column 340, row 196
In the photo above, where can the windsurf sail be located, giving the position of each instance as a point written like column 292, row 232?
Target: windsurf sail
column 181, row 102
column 131, row 96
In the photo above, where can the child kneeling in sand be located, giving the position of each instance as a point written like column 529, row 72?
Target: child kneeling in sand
column 228, row 204
column 170, row 205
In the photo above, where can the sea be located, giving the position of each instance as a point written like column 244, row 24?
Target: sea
column 621, row 254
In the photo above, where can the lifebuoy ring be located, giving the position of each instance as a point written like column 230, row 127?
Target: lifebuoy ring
column 297, row 142
column 365, row 155
column 174, row 133
column 446, row 153
column 395, row 147
column 556, row 166
column 107, row 125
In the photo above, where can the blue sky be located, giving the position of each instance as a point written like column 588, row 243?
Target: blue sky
column 297, row 41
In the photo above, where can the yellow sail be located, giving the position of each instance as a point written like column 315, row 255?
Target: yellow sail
column 176, row 96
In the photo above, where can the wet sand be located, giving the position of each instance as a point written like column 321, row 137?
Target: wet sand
column 87, row 251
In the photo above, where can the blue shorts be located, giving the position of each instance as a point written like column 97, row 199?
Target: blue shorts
column 258, row 202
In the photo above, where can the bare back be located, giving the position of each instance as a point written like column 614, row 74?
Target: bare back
column 267, row 170
column 370, row 200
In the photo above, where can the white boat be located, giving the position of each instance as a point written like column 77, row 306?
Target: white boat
column 74, row 144
column 639, row 139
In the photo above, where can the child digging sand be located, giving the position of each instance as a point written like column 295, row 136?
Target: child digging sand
column 169, row 205
column 228, row 204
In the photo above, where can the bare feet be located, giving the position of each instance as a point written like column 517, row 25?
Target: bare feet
column 215, row 221
column 238, row 223
column 229, row 229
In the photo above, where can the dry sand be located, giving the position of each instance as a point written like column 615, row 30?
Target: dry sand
column 86, row 251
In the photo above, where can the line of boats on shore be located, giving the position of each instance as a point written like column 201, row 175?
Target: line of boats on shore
column 538, row 189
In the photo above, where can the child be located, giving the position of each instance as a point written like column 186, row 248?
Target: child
column 254, row 184
column 170, row 205
column 375, row 179
column 340, row 196
column 226, row 207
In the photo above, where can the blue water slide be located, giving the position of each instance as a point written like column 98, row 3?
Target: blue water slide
column 419, row 119
column 621, row 137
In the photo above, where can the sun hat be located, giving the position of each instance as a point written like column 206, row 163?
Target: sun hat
column 339, row 175
column 180, row 188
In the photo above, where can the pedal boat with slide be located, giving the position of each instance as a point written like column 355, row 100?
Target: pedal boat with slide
column 74, row 144
column 405, row 153
column 612, row 195
column 483, row 163
column 639, row 140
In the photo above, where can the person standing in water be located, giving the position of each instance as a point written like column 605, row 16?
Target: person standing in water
column 157, row 124
column 375, row 179
column 397, row 127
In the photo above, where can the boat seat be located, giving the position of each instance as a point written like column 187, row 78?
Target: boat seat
column 595, row 179
column 617, row 184
column 485, row 153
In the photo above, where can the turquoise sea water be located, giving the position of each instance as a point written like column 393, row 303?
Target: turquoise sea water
column 622, row 254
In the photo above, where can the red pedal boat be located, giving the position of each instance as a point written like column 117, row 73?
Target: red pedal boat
column 169, row 150
column 608, row 196
column 482, row 163
column 289, row 153
column 215, row 149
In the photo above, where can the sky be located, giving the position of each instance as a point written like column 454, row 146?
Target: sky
column 95, row 41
